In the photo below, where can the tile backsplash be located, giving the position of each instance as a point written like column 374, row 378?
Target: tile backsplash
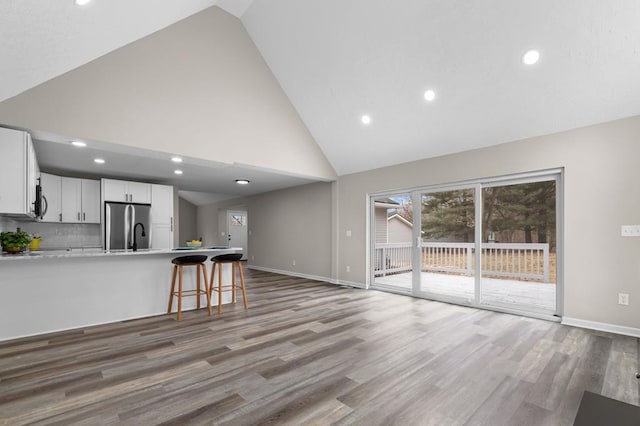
column 58, row 235
column 7, row 224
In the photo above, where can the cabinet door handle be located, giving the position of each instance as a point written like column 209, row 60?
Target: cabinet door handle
column 171, row 223
column 84, row 216
column 60, row 216
column 78, row 215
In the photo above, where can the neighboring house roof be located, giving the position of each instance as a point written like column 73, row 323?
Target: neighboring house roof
column 401, row 219
column 386, row 203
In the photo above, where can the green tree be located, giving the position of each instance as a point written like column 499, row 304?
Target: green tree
column 449, row 214
column 528, row 207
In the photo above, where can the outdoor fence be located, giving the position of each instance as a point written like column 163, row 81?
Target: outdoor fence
column 509, row 260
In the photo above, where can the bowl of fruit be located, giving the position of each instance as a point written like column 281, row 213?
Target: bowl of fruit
column 194, row 243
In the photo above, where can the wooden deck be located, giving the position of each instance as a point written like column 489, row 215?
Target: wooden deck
column 496, row 291
column 307, row 352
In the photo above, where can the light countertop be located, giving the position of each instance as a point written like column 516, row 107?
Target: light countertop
column 66, row 254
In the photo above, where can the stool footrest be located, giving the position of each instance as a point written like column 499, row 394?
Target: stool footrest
column 220, row 288
column 179, row 264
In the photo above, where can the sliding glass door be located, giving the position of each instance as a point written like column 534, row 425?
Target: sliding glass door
column 447, row 244
column 392, row 238
column 519, row 256
column 491, row 243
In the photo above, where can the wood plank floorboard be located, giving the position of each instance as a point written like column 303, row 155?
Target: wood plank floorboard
column 313, row 353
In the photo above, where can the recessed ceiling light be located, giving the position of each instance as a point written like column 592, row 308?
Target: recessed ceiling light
column 531, row 57
column 242, row 181
column 365, row 119
column 176, row 159
column 98, row 160
column 82, row 2
column 429, row 95
column 78, row 143
column 178, row 172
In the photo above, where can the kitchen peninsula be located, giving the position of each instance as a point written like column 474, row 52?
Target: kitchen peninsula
column 43, row 292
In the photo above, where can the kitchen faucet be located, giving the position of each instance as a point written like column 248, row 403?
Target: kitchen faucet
column 134, row 246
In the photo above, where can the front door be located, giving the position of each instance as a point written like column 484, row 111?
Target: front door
column 237, row 230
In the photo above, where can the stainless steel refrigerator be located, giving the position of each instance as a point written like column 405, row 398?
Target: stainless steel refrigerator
column 126, row 224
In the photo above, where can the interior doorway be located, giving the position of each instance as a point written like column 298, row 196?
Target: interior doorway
column 237, row 230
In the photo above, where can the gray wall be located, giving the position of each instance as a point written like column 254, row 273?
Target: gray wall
column 210, row 226
column 602, row 192
column 198, row 88
column 187, row 221
column 290, row 224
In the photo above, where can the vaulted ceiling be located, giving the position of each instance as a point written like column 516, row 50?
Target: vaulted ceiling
column 338, row 60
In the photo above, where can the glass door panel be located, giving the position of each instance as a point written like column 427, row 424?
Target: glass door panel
column 392, row 239
column 447, row 252
column 518, row 255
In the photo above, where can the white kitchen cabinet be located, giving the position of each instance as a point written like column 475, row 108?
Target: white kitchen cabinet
column 52, row 197
column 90, row 201
column 80, row 200
column 162, row 216
column 19, row 173
column 126, row 191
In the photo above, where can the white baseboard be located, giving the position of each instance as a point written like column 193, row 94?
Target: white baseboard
column 602, row 326
column 290, row 273
column 348, row 283
column 307, row 276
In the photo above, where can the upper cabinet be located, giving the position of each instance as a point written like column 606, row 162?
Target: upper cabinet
column 70, row 200
column 90, row 190
column 126, row 192
column 51, row 197
column 80, row 200
column 19, row 173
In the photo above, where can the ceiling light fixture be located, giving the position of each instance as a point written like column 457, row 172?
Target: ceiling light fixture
column 178, row 172
column 82, row 2
column 176, row 159
column 78, row 144
column 242, row 181
column 530, row 57
column 365, row 119
column 429, row 95
column 98, row 160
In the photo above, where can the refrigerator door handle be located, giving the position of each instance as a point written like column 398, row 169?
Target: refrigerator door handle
column 133, row 223
column 127, row 226
column 107, row 233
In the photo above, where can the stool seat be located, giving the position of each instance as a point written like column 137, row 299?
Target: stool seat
column 189, row 260
column 232, row 259
column 178, row 265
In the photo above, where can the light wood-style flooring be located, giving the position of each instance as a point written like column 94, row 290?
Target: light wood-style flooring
column 307, row 352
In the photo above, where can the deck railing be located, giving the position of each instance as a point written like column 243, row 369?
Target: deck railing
column 510, row 260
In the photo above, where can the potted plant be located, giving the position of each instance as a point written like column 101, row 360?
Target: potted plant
column 14, row 242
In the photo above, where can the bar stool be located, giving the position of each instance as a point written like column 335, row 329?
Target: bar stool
column 232, row 259
column 178, row 264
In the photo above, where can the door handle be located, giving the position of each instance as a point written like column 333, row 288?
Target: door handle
column 78, row 215
column 84, row 216
column 46, row 207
